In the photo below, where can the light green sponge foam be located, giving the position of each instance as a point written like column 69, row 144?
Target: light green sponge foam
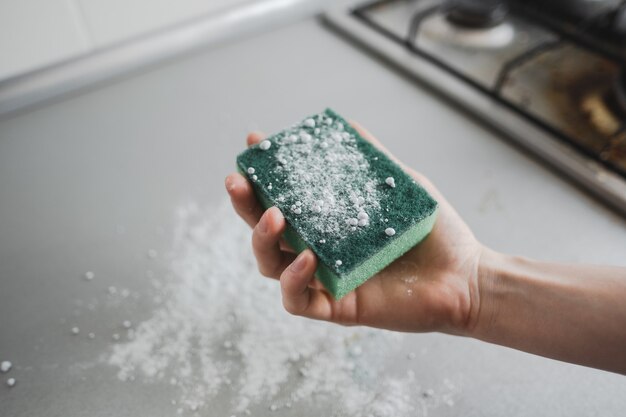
column 342, row 198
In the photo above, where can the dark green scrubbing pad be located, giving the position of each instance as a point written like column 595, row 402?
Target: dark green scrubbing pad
column 342, row 198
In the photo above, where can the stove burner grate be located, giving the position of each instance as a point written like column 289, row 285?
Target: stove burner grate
column 507, row 68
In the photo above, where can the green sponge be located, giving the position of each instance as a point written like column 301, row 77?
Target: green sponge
column 342, row 198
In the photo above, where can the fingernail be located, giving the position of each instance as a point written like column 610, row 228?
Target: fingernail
column 299, row 264
column 278, row 212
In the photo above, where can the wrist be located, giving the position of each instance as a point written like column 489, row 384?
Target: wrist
column 471, row 307
column 484, row 306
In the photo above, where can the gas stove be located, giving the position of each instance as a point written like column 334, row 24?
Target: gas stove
column 550, row 74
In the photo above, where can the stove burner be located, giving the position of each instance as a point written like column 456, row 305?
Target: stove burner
column 548, row 73
column 441, row 29
column 476, row 14
column 484, row 24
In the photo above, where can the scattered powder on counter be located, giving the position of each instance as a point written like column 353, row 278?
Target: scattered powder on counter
column 221, row 332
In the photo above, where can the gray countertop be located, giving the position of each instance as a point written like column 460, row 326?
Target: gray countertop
column 93, row 182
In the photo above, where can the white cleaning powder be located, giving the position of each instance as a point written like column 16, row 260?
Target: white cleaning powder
column 221, row 332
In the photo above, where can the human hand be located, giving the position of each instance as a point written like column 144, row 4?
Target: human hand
column 433, row 287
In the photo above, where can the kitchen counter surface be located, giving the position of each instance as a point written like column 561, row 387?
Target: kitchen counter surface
column 92, row 183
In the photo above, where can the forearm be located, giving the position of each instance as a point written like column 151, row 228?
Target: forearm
column 573, row 313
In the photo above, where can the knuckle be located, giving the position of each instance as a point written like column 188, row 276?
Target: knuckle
column 291, row 308
column 263, row 270
column 259, row 242
column 266, row 271
column 254, row 244
column 276, row 272
column 239, row 211
column 255, row 239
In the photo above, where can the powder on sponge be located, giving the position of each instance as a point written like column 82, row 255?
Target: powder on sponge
column 342, row 198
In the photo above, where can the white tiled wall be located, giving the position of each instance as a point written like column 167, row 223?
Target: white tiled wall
column 37, row 33
column 115, row 20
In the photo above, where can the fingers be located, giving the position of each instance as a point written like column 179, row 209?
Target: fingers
column 243, row 199
column 241, row 193
column 424, row 182
column 254, row 138
column 298, row 297
column 372, row 139
column 421, row 179
column 271, row 260
column 367, row 135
